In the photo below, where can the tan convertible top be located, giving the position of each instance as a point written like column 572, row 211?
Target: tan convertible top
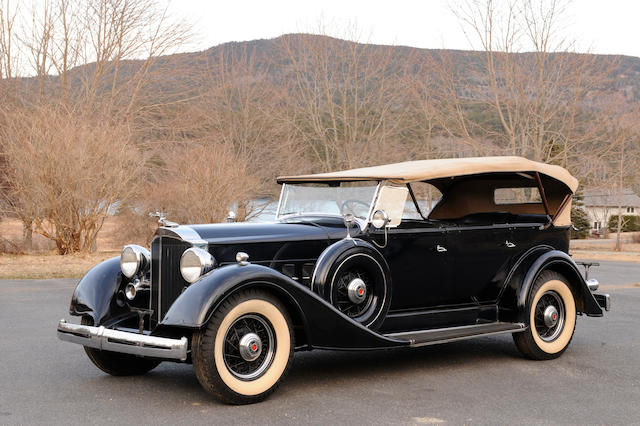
column 421, row 170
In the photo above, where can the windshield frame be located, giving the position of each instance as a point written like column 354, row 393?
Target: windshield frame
column 325, row 214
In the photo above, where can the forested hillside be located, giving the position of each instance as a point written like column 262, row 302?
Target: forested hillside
column 122, row 123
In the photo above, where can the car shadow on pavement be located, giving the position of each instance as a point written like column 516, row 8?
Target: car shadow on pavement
column 397, row 361
column 330, row 368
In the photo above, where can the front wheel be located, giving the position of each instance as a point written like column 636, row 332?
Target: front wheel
column 245, row 349
column 552, row 318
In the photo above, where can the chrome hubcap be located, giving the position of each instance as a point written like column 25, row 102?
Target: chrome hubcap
column 357, row 290
column 250, row 347
column 550, row 316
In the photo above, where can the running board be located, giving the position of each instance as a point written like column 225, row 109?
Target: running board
column 442, row 335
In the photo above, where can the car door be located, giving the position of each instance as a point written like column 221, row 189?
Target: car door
column 481, row 257
column 419, row 261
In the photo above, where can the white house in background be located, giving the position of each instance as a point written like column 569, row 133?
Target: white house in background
column 601, row 204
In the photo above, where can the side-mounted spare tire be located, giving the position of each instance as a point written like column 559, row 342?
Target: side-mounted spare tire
column 354, row 277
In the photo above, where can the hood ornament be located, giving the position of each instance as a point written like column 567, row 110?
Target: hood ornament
column 162, row 220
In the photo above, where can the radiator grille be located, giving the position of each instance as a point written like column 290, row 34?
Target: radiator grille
column 166, row 281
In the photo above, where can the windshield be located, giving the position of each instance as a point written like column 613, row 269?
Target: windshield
column 350, row 197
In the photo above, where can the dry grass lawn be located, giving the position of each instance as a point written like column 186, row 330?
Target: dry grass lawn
column 45, row 263
column 39, row 266
column 602, row 249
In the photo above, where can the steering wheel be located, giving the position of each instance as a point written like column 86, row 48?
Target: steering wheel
column 348, row 206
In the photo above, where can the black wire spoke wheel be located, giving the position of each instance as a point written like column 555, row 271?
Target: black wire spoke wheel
column 551, row 313
column 245, row 349
column 348, row 304
column 549, row 316
column 249, row 347
column 359, row 288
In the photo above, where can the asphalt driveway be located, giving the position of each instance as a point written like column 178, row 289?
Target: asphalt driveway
column 482, row 381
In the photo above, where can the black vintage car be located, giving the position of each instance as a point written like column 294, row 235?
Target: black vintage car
column 401, row 255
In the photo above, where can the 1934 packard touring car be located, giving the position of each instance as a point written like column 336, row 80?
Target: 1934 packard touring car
column 400, row 255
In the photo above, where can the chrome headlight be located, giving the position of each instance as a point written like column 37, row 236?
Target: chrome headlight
column 134, row 260
column 194, row 263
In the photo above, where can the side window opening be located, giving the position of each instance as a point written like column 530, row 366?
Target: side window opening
column 528, row 195
column 427, row 196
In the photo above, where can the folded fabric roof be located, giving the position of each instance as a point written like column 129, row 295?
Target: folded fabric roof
column 421, row 170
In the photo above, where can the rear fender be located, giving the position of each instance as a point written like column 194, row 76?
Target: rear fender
column 561, row 262
column 324, row 326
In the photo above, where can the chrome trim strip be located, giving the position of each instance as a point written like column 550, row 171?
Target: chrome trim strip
column 280, row 202
column 376, row 194
column 122, row 341
column 515, row 328
column 159, row 282
column 185, row 233
column 453, row 339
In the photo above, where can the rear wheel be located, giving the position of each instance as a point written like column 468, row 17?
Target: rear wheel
column 118, row 364
column 245, row 349
column 552, row 318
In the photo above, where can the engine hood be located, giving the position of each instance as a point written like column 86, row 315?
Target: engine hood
column 262, row 241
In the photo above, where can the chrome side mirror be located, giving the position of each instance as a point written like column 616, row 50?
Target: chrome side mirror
column 231, row 216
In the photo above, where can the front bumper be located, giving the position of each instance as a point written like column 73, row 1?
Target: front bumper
column 123, row 341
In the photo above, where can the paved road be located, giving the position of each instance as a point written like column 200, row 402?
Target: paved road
column 482, row 381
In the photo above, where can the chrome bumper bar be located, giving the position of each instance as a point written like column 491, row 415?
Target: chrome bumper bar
column 122, row 341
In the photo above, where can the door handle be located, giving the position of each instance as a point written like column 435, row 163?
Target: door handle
column 441, row 249
column 509, row 244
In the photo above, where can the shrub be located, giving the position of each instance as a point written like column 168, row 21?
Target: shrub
column 581, row 221
column 65, row 172
column 630, row 223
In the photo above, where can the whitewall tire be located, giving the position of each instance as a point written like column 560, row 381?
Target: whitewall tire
column 551, row 311
column 245, row 349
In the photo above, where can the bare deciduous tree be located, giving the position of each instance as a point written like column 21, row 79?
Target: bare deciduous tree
column 8, row 48
column 346, row 102
column 545, row 100
column 67, row 171
column 201, row 183
column 89, row 102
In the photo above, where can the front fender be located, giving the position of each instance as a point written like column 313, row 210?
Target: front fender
column 324, row 326
column 95, row 293
column 562, row 263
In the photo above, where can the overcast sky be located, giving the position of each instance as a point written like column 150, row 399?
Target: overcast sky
column 611, row 26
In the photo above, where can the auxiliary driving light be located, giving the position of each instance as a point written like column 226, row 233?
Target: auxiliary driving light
column 131, row 289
